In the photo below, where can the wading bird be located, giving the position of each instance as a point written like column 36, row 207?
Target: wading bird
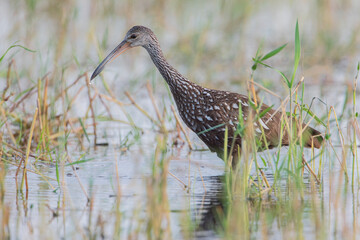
column 210, row 112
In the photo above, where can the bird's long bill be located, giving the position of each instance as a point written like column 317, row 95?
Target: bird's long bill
column 122, row 47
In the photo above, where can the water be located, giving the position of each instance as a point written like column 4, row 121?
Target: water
column 66, row 212
column 98, row 178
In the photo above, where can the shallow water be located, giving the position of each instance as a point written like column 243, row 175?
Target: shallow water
column 98, row 177
column 201, row 170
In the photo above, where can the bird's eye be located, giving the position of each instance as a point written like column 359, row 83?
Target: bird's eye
column 133, row 36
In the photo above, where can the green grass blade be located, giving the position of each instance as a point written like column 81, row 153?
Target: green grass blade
column 265, row 111
column 84, row 130
column 13, row 46
column 317, row 119
column 263, row 160
column 80, row 161
column 57, row 170
column 17, row 97
column 273, row 52
column 257, row 57
column 210, row 129
column 226, row 146
column 297, row 52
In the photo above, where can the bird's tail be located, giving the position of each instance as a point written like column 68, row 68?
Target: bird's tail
column 312, row 137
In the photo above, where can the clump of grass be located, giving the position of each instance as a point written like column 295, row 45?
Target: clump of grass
column 252, row 202
column 157, row 206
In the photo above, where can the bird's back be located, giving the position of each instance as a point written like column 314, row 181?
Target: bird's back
column 208, row 112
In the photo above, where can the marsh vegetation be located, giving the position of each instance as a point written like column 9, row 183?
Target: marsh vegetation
column 112, row 159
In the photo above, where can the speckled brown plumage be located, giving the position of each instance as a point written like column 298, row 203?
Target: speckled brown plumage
column 202, row 109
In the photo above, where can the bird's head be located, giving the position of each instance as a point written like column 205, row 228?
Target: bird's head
column 136, row 36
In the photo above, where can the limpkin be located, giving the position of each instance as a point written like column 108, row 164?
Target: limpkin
column 208, row 112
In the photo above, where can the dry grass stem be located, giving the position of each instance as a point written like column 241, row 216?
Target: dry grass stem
column 92, row 108
column 181, row 127
column 184, row 185
column 141, row 109
column 149, row 88
column 28, row 148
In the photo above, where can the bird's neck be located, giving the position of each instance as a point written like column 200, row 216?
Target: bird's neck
column 173, row 78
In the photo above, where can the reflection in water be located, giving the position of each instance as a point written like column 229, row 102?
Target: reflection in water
column 287, row 210
column 210, row 208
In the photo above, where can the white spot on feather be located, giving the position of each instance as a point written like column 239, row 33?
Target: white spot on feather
column 208, row 118
column 263, row 124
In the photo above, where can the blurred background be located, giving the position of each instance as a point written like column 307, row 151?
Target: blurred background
column 210, row 42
